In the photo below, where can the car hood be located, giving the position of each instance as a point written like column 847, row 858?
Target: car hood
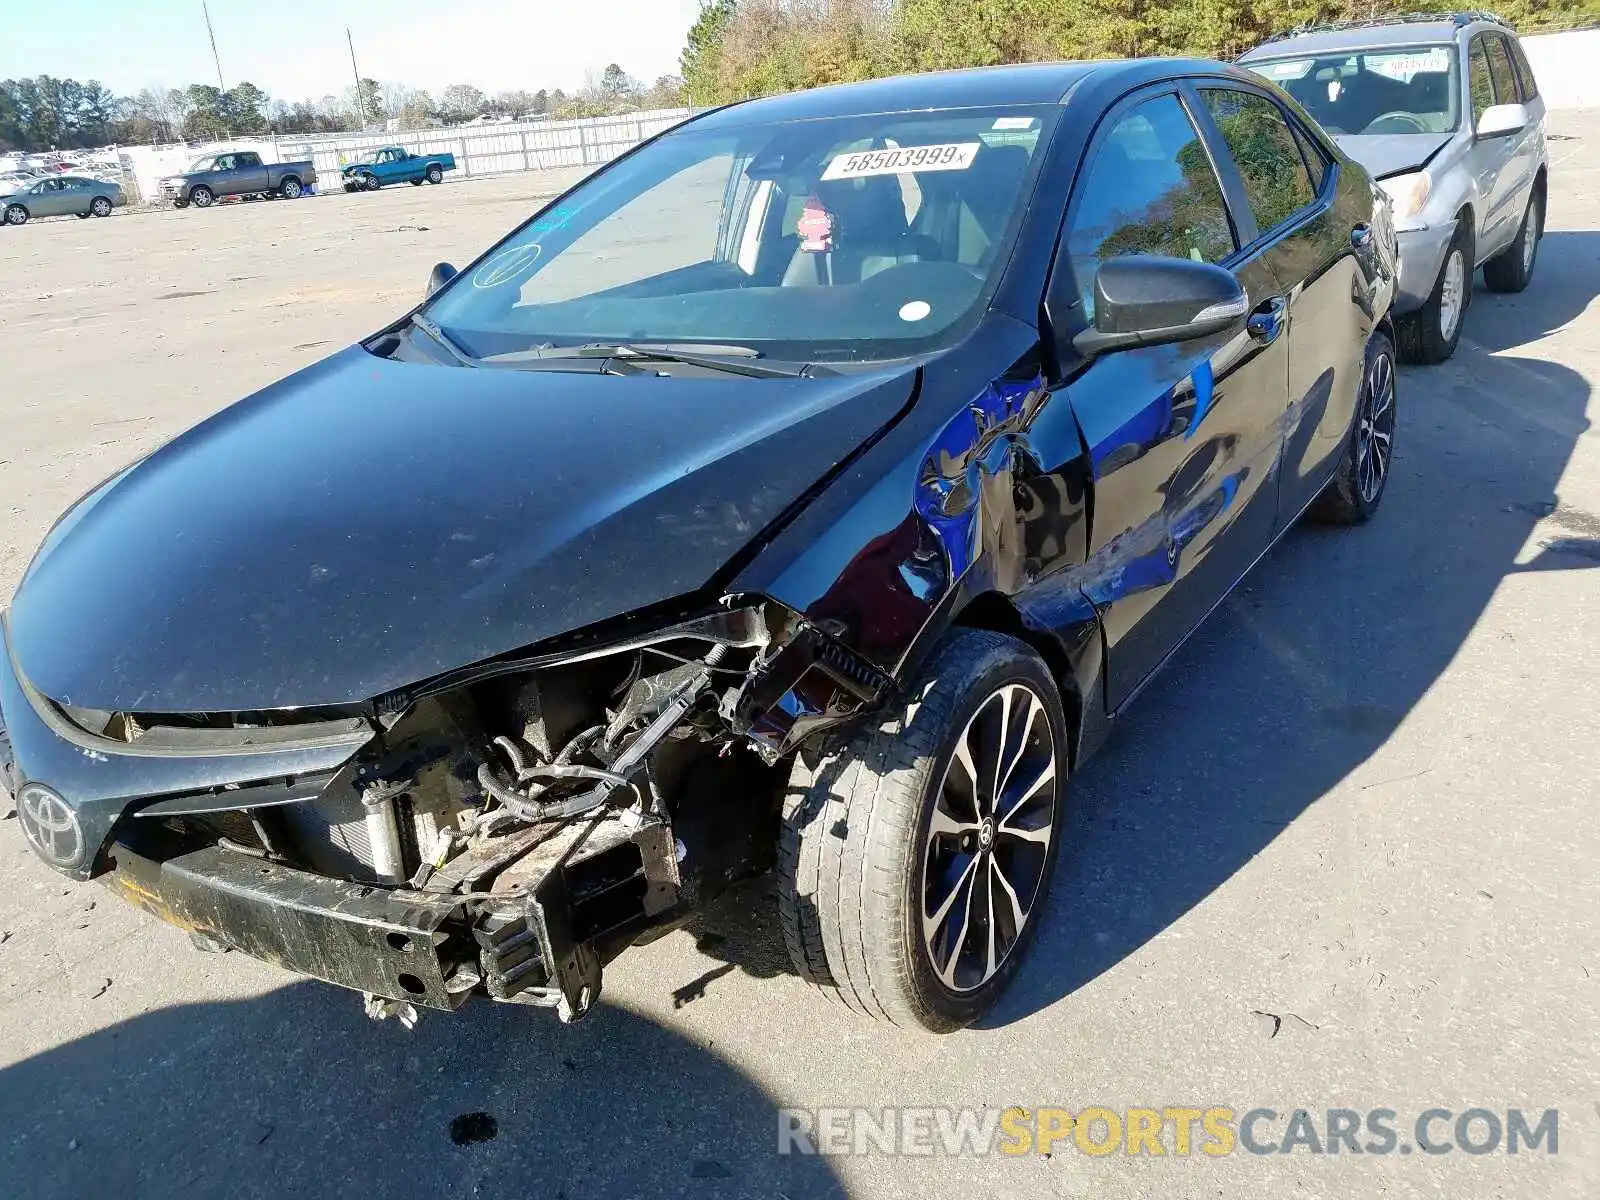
column 1392, row 153
column 365, row 524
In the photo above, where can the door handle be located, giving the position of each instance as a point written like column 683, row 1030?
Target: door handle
column 1266, row 322
column 1361, row 236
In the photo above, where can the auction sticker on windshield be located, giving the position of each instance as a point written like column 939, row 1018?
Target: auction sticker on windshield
column 954, row 156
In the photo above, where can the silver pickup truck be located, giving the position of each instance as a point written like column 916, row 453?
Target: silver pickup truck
column 236, row 173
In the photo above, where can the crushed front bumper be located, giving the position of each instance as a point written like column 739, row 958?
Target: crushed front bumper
column 398, row 944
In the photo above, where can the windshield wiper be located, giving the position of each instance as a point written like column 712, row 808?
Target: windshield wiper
column 433, row 331
column 734, row 360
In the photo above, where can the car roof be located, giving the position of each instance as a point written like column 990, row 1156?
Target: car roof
column 1362, row 37
column 974, row 87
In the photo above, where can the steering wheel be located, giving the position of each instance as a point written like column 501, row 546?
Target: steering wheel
column 1418, row 125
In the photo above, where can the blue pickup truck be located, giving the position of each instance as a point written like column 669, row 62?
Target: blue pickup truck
column 395, row 164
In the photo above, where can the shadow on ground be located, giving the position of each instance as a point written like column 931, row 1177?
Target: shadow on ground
column 296, row 1094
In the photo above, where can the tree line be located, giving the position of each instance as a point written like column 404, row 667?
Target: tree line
column 45, row 113
column 743, row 48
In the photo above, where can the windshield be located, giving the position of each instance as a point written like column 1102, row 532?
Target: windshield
column 1403, row 89
column 202, row 164
column 845, row 238
column 366, row 159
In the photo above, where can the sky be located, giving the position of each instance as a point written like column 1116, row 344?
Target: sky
column 295, row 49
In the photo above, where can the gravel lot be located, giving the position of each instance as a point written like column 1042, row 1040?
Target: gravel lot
column 1342, row 855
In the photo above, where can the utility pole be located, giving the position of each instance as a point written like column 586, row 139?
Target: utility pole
column 211, row 33
column 361, row 101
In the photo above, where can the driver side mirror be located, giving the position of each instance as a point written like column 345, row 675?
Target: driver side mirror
column 1146, row 300
column 1502, row 120
column 441, row 274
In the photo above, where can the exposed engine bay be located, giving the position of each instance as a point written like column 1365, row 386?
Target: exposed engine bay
column 561, row 807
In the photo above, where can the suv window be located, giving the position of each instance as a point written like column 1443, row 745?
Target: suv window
column 1478, row 72
column 1501, row 71
column 1276, row 182
column 1530, row 85
column 1150, row 189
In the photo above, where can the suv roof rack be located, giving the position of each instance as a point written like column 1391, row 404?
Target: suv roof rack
column 1458, row 19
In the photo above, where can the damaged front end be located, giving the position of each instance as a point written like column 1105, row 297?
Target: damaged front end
column 509, row 828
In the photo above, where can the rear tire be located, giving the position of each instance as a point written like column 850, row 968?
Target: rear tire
column 290, row 188
column 435, row 174
column 100, row 207
column 202, row 197
column 896, row 863
column 16, row 215
column 1357, row 487
column 1430, row 335
column 1512, row 269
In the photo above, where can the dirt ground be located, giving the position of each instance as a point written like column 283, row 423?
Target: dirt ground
column 1341, row 855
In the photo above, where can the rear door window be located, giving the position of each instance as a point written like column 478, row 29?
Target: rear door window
column 1276, row 181
column 1530, row 85
column 1150, row 189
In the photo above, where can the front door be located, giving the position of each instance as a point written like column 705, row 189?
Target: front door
column 1183, row 439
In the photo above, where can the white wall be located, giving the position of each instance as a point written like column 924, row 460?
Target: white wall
column 1567, row 66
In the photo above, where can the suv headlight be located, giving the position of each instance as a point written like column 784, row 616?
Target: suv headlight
column 1409, row 194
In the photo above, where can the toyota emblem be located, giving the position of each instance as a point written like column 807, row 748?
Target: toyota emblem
column 51, row 826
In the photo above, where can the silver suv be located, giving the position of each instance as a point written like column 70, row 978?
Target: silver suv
column 1444, row 111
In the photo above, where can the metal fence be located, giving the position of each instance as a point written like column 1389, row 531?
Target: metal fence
column 492, row 149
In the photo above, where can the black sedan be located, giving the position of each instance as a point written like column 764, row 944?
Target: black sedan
column 805, row 492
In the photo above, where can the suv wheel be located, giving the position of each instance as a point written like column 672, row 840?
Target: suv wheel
column 1430, row 334
column 1512, row 268
column 915, row 855
column 202, row 197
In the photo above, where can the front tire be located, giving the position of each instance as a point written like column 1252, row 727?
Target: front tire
column 1430, row 335
column 1512, row 269
column 371, row 182
column 16, row 215
column 202, row 197
column 414, row 182
column 915, row 854
column 1363, row 475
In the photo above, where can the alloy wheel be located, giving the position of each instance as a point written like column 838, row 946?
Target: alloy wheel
column 1375, row 439
column 1452, row 293
column 988, row 838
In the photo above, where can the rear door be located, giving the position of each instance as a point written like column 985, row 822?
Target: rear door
column 1289, row 185
column 1182, row 439
column 249, row 174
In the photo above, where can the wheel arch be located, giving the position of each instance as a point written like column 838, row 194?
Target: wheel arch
column 1072, row 655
